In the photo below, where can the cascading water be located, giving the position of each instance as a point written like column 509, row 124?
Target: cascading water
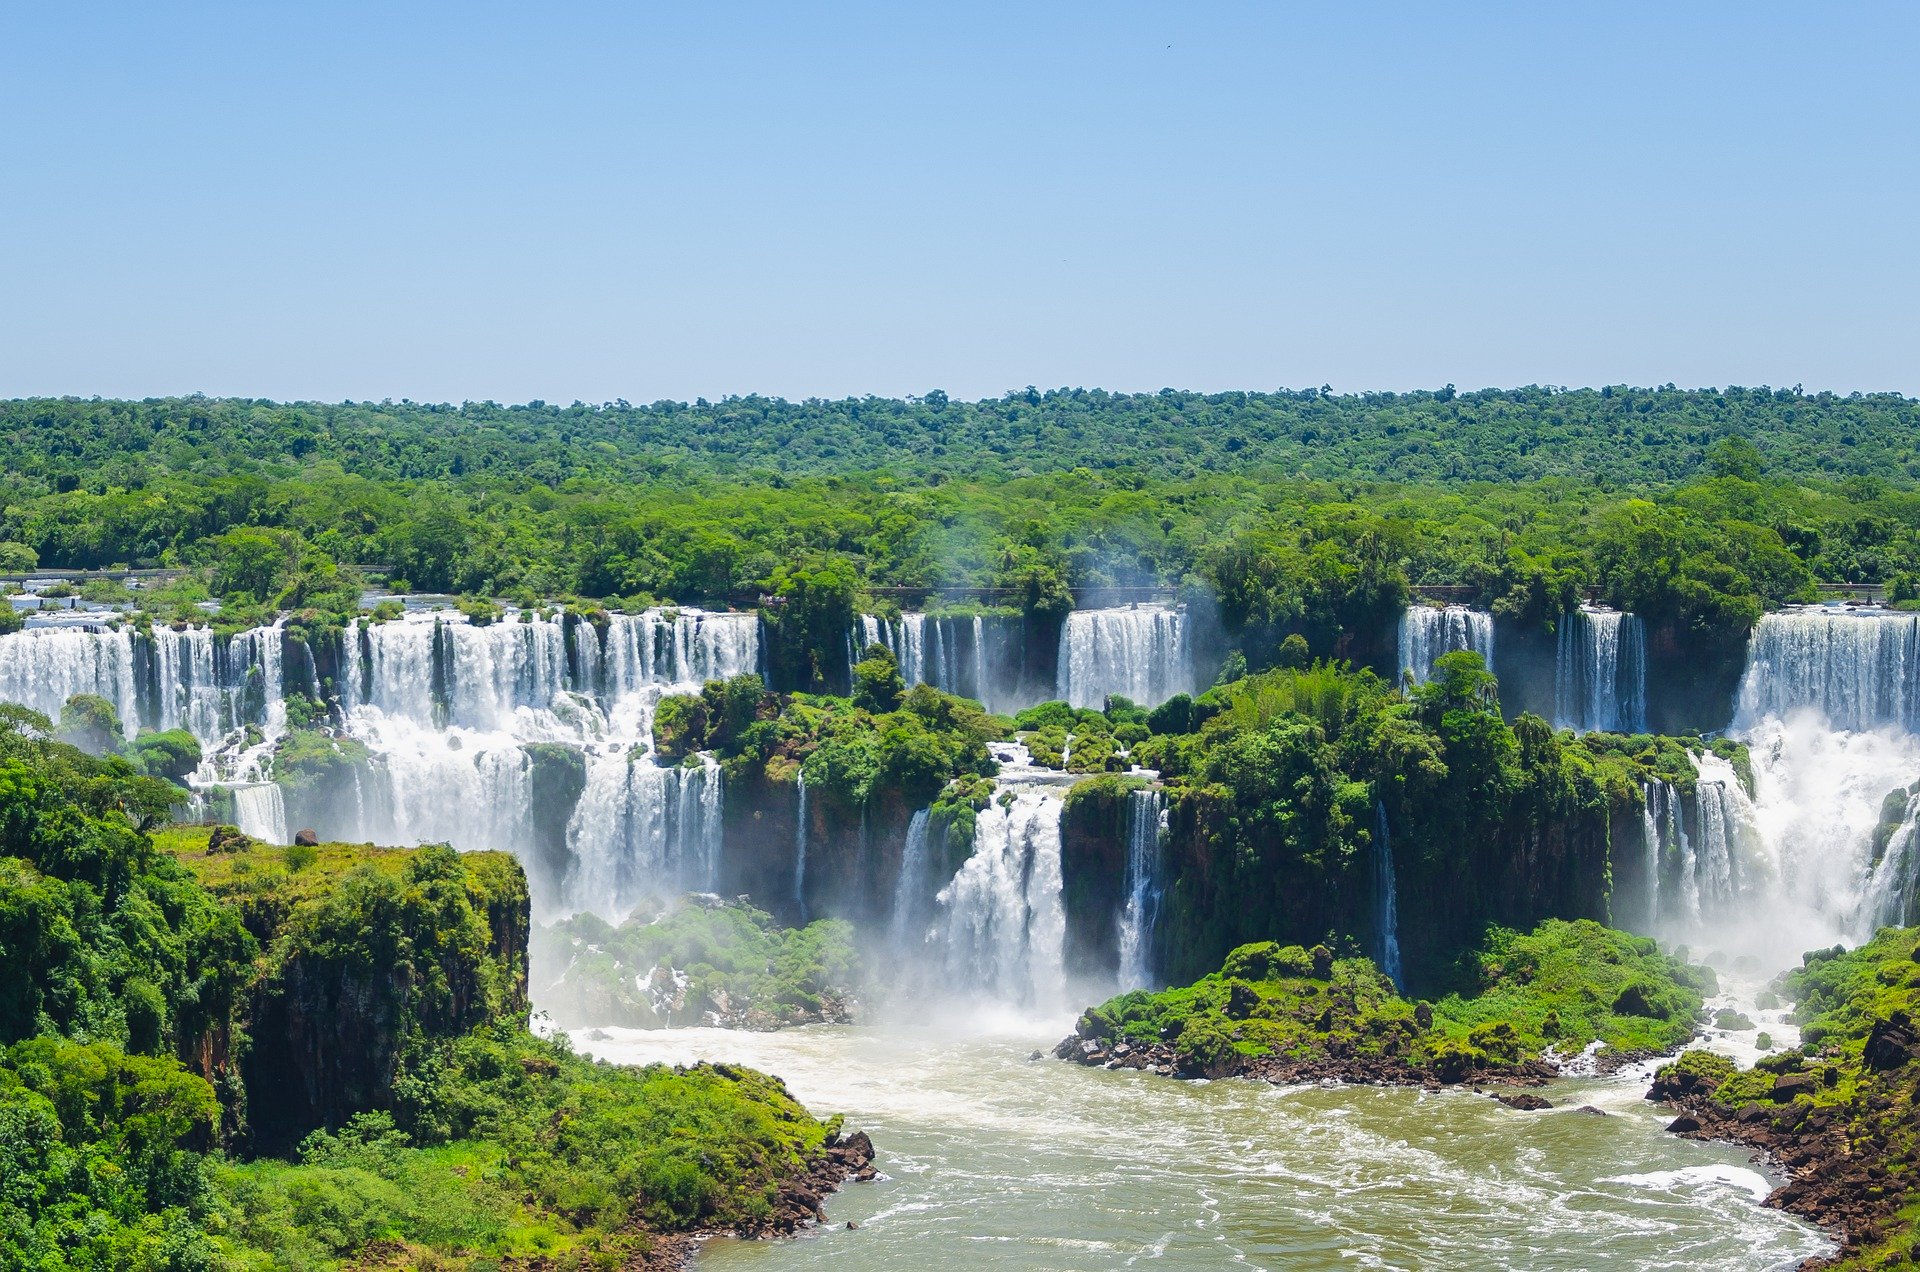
column 1859, row 671
column 1724, row 837
column 1146, row 826
column 973, row 656
column 801, row 830
column 907, row 929
column 260, row 810
column 658, row 831
column 1893, row 888
column 446, row 710
column 1428, row 631
column 1663, row 831
column 1600, row 672
column 1001, row 927
column 1005, row 928
column 449, row 706
column 1387, row 892
column 1143, row 653
column 1827, row 710
column 42, row 667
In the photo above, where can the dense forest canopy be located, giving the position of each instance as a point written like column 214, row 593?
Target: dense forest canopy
column 1305, row 513
column 1618, row 434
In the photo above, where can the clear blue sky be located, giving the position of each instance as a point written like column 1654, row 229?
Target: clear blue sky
column 628, row 200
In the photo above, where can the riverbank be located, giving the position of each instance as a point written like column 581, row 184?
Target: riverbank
column 989, row 1159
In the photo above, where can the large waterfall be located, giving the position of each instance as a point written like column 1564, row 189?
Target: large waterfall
column 1001, row 925
column 1146, row 826
column 1600, row 672
column 1142, row 652
column 1005, row 926
column 446, row 711
column 1428, row 631
column 1827, row 710
column 1859, row 671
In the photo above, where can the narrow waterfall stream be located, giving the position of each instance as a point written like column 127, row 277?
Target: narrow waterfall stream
column 1146, row 826
column 1388, row 892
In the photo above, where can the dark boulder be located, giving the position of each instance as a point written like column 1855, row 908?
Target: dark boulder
column 1892, row 1043
column 1525, row 1101
column 306, row 838
column 1788, row 1085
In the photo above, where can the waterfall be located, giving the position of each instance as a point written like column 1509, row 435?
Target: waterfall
column 974, row 656
column 261, row 811
column 1600, row 672
column 1664, row 838
column 1428, row 631
column 1387, row 896
column 907, row 927
column 1142, row 653
column 1724, row 834
column 1004, row 926
column 445, row 708
column 42, row 667
column 1893, row 888
column 642, row 834
column 1859, row 671
column 1146, row 825
column 800, row 834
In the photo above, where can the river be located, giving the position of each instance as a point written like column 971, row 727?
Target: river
column 992, row 1160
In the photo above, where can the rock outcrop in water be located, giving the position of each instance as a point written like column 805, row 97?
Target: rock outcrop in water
column 1841, row 1112
column 1288, row 1014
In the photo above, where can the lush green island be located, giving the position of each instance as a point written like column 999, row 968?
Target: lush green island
column 1526, row 1003
column 219, row 1054
column 1838, row 1111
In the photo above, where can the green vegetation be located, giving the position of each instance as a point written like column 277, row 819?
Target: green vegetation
column 1843, row 1102
column 739, row 969
column 1279, row 786
column 1306, row 515
column 1563, row 986
column 852, row 750
column 219, row 1055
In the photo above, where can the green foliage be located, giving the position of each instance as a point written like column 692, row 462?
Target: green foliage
column 171, row 754
column 1557, row 987
column 100, row 1164
column 877, row 684
column 740, row 967
column 91, row 723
